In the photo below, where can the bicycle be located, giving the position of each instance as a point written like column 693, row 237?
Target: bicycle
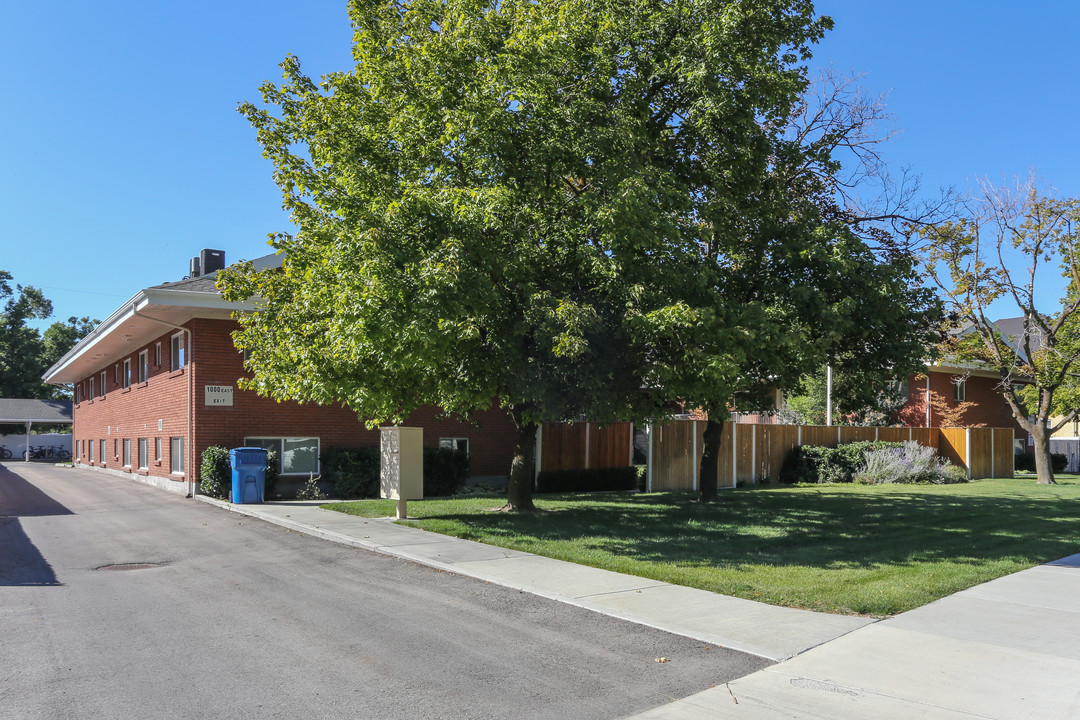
column 5, row 454
column 62, row 454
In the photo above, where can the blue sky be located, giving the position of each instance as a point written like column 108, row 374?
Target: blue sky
column 124, row 155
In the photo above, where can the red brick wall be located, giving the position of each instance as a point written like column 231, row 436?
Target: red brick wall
column 213, row 360
column 990, row 408
column 133, row 412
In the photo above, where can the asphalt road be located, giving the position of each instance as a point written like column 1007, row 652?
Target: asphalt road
column 242, row 619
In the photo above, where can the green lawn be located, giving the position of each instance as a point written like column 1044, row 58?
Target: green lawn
column 874, row 550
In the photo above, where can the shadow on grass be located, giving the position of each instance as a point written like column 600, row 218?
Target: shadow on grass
column 809, row 527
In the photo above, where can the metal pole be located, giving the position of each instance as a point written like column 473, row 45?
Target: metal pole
column 828, row 395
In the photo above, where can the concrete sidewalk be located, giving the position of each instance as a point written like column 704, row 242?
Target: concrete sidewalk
column 1006, row 649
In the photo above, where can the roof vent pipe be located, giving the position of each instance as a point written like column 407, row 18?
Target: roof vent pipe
column 195, row 268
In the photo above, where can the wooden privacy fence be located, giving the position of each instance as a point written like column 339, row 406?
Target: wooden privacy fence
column 584, row 445
column 749, row 453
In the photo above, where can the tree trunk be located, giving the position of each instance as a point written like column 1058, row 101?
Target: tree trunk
column 1044, row 468
column 710, row 459
column 519, row 491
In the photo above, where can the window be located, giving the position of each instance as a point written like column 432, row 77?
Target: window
column 177, row 348
column 157, row 449
column 127, row 453
column 455, row 444
column 103, row 451
column 176, row 454
column 959, row 390
column 116, row 448
column 144, row 454
column 157, row 355
column 144, row 366
column 90, row 450
column 116, row 374
column 127, row 372
column 91, row 393
column 296, row 456
column 102, row 383
column 78, row 393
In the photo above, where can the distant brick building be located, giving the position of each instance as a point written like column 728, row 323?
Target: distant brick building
column 954, row 384
column 156, row 384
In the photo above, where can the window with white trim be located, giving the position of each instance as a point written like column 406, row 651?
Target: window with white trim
column 455, row 444
column 144, row 366
column 144, row 454
column 78, row 393
column 960, row 390
column 176, row 454
column 157, row 355
column 91, row 393
column 127, row 372
column 90, row 450
column 103, row 383
column 157, row 449
column 296, row 456
column 102, row 451
column 178, row 350
column 127, row 453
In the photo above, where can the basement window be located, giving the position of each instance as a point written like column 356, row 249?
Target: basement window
column 455, row 444
column 296, row 456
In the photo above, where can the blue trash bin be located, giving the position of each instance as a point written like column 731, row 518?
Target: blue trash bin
column 248, row 474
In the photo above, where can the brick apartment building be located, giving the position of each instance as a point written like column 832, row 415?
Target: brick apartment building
column 156, row 384
column 956, row 383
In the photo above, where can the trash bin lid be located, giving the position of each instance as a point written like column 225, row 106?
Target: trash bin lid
column 247, row 456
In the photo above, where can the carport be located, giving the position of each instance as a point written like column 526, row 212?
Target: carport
column 27, row 412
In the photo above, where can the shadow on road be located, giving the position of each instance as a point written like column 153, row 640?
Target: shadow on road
column 20, row 561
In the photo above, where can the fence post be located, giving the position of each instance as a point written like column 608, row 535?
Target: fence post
column 734, row 455
column 753, row 454
column 587, row 444
column 967, row 450
column 993, row 460
column 694, row 456
column 536, row 460
column 650, row 432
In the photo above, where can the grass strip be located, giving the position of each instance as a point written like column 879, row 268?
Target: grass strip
column 852, row 549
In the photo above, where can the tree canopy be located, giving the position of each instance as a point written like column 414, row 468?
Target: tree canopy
column 974, row 262
column 26, row 353
column 565, row 207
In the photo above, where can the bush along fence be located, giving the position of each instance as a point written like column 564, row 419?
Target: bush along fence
column 753, row 453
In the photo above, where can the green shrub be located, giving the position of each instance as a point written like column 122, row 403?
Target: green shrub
column 910, row 463
column 593, row 480
column 445, row 471
column 353, row 472
column 215, row 472
column 819, row 464
column 271, row 474
column 1025, row 462
column 311, row 489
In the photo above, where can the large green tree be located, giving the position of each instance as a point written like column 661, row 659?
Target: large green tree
column 509, row 202
column 25, row 352
column 1009, row 244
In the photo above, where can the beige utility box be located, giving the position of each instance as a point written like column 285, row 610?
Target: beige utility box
column 401, row 471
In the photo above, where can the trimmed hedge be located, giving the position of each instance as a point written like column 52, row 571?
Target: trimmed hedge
column 215, row 472
column 817, row 464
column 1026, row 462
column 445, row 471
column 594, row 480
column 354, row 472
